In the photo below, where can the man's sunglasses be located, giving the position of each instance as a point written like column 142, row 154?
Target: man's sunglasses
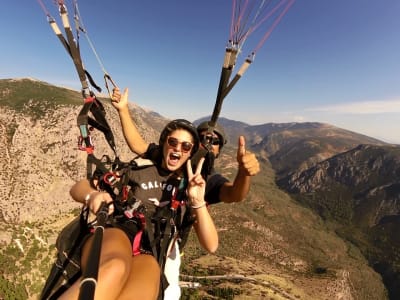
column 185, row 146
column 209, row 139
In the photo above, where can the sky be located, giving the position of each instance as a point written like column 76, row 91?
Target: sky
column 335, row 62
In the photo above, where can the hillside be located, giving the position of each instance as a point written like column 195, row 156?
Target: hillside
column 294, row 146
column 359, row 189
column 270, row 245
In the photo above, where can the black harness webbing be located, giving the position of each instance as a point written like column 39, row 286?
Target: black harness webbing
column 89, row 278
column 66, row 269
column 91, row 105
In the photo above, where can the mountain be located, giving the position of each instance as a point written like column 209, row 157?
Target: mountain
column 359, row 189
column 232, row 128
column 271, row 245
column 293, row 146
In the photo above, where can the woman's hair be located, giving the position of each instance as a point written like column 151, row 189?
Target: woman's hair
column 180, row 124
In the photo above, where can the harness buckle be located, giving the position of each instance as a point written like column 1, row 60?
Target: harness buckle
column 110, row 178
column 85, row 144
column 175, row 204
column 135, row 211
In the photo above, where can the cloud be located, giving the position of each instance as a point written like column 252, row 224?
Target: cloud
column 359, row 108
column 299, row 118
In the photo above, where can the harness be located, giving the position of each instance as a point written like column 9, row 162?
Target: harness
column 158, row 229
column 159, row 225
column 91, row 104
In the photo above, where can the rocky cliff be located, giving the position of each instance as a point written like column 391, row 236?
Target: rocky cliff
column 359, row 189
column 41, row 159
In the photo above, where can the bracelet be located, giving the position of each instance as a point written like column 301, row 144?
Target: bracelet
column 87, row 197
column 199, row 206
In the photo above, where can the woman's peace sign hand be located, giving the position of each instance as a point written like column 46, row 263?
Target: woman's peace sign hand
column 196, row 185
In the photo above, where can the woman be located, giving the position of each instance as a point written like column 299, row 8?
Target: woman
column 123, row 275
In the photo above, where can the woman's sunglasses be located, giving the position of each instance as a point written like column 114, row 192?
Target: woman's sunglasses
column 185, row 146
column 209, row 139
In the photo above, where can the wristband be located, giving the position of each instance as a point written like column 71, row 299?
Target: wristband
column 199, row 206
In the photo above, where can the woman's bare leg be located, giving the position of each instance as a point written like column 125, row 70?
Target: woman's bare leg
column 144, row 279
column 114, row 269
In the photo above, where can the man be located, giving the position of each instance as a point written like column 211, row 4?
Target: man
column 220, row 189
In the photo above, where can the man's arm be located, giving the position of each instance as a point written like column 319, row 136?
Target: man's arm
column 131, row 134
column 249, row 166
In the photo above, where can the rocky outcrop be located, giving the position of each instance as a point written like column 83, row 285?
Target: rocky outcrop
column 360, row 190
column 367, row 176
column 41, row 160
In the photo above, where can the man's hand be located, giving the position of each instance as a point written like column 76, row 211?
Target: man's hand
column 247, row 160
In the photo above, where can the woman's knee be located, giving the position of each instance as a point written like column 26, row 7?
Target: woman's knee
column 115, row 269
column 144, row 280
column 115, row 259
column 147, row 263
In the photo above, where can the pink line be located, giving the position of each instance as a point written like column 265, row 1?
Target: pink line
column 277, row 20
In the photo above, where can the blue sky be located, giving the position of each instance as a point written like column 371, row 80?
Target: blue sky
column 336, row 62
